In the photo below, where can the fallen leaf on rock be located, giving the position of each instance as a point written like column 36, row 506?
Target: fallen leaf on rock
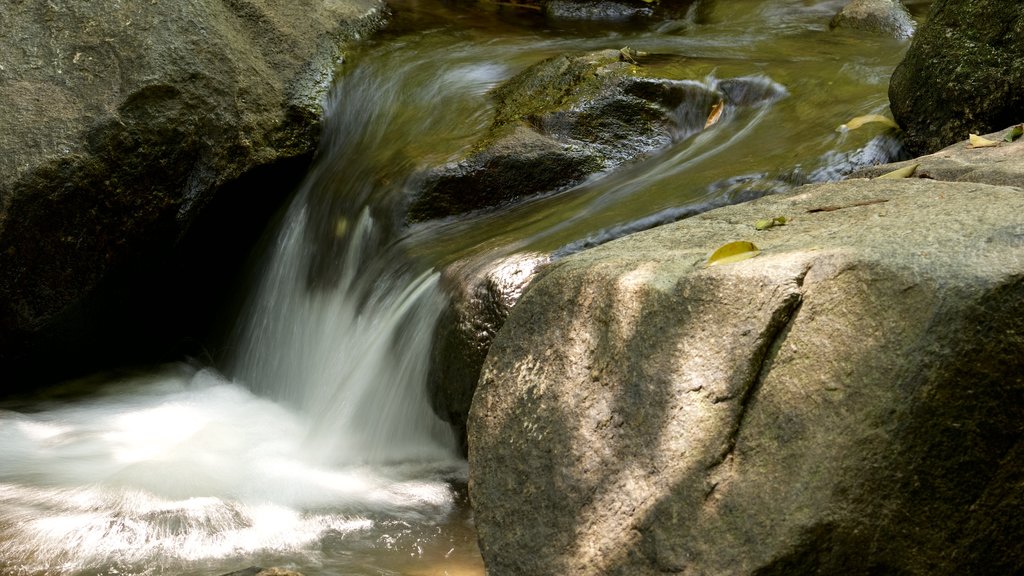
column 905, row 172
column 859, row 121
column 732, row 252
column 716, row 113
column 980, row 142
column 770, row 223
column 1014, row 133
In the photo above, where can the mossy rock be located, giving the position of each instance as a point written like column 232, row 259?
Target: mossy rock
column 573, row 116
column 962, row 73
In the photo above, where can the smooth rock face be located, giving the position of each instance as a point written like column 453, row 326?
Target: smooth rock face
column 887, row 17
column 123, row 121
column 849, row 401
column 1001, row 165
column 482, row 293
column 961, row 74
column 570, row 117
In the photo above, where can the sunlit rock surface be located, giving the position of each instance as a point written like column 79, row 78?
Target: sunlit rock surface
column 121, row 125
column 849, row 401
column 888, row 17
column 1001, row 165
column 961, row 74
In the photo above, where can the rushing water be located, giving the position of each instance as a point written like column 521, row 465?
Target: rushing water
column 311, row 444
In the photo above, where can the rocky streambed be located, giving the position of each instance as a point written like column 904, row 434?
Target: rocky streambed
column 843, row 396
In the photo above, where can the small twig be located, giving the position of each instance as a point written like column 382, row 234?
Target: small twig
column 855, row 204
column 517, row 5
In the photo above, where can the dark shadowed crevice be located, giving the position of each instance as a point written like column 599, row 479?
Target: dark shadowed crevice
column 160, row 304
column 761, row 360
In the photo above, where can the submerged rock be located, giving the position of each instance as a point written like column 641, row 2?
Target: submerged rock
column 121, row 127
column 962, row 73
column 886, row 17
column 257, row 571
column 598, row 10
column 613, row 11
column 846, row 402
column 569, row 117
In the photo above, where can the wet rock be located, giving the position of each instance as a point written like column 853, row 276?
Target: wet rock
column 277, row 572
column 122, row 127
column 482, row 293
column 846, row 402
column 618, row 12
column 1001, row 165
column 885, row 17
column 961, row 74
column 569, row 117
column 601, row 11
column 257, row 571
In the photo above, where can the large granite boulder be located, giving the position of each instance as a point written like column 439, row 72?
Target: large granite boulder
column 962, row 73
column 122, row 124
column 570, row 117
column 848, row 401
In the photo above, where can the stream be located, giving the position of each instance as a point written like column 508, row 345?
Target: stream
column 309, row 443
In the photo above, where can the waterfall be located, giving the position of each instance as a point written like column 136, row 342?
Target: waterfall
column 341, row 325
column 318, row 430
column 351, row 355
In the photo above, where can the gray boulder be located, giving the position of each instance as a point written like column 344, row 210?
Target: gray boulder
column 962, row 73
column 121, row 124
column 1001, row 165
column 849, row 401
column 885, row 17
column 569, row 117
column 482, row 291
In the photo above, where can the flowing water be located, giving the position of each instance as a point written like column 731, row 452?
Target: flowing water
column 312, row 445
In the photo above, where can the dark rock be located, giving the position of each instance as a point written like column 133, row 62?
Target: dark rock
column 885, row 17
column 481, row 296
column 567, row 118
column 849, row 401
column 121, row 127
column 618, row 12
column 962, row 73
column 251, row 571
column 600, row 11
column 257, row 571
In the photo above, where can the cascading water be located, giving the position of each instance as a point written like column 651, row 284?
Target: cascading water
column 316, row 447
column 323, row 430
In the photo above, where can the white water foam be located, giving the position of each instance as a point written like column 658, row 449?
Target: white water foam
column 181, row 466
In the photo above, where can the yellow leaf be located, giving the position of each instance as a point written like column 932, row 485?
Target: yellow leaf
column 770, row 223
column 980, row 142
column 716, row 113
column 859, row 121
column 905, row 172
column 732, row 252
